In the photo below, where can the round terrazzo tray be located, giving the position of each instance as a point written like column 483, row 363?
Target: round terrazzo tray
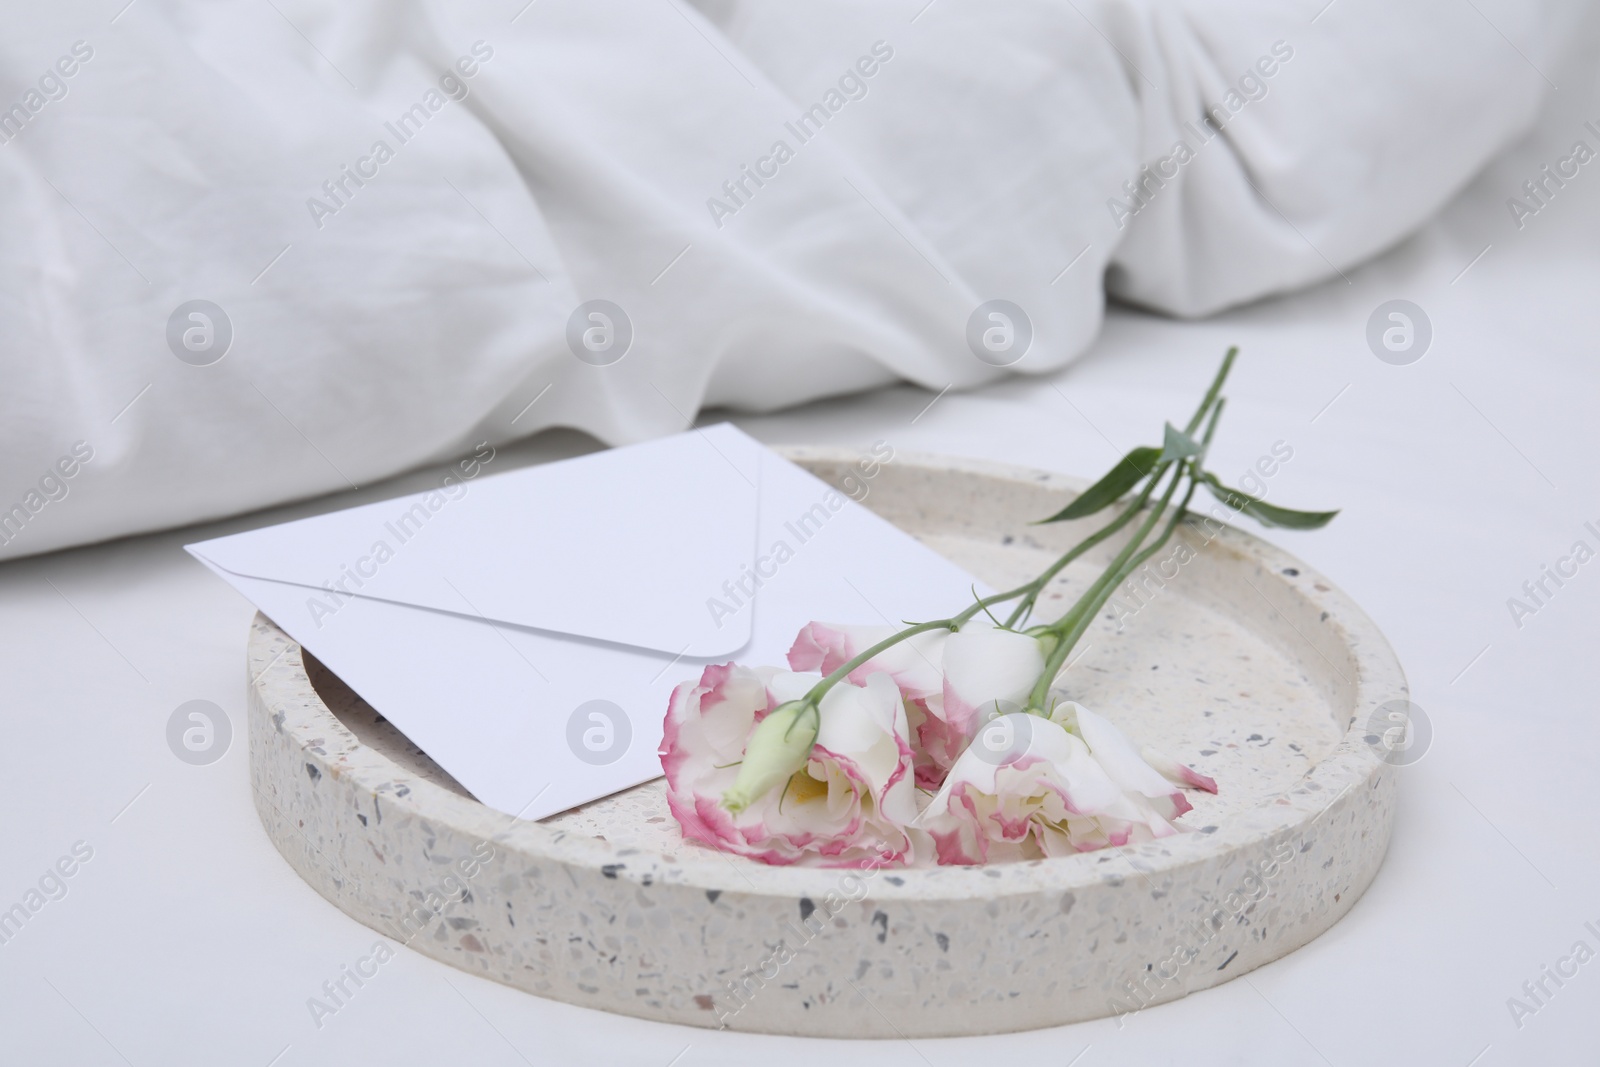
column 1244, row 662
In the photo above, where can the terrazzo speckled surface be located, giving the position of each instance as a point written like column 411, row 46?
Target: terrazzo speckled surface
column 1245, row 663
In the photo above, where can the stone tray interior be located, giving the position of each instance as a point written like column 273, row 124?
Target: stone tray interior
column 1246, row 664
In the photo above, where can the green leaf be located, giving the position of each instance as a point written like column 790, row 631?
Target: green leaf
column 1178, row 445
column 1118, row 480
column 1264, row 513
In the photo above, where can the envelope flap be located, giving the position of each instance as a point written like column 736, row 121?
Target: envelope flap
column 633, row 546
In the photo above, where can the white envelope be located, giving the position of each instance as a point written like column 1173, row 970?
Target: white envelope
column 527, row 629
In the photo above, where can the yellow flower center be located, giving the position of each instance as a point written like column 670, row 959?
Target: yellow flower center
column 804, row 788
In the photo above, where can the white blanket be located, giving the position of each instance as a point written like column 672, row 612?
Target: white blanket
column 257, row 251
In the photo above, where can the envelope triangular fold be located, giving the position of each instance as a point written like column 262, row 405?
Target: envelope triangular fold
column 624, row 546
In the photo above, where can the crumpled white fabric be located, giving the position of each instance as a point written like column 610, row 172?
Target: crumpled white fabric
column 425, row 310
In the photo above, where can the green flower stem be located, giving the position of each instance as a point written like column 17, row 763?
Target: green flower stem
column 1095, row 595
column 1122, row 557
column 1034, row 588
column 1072, row 626
column 1212, row 393
column 1084, row 612
column 1037, row 586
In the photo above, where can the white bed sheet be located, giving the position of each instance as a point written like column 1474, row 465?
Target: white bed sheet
column 381, row 313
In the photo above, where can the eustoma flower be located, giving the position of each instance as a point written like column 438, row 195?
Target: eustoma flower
column 823, row 763
column 841, row 795
column 1068, row 783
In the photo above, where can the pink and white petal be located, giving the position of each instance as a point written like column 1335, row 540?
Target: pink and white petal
column 914, row 664
column 824, row 647
column 968, row 773
column 939, row 743
column 903, row 780
column 955, row 824
column 860, row 722
column 983, row 665
column 710, row 720
column 1180, row 773
column 1089, row 789
column 784, row 686
column 898, row 804
column 1117, row 755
